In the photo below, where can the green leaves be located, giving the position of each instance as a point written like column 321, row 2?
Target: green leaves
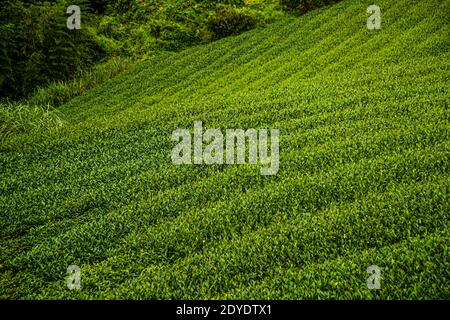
column 363, row 179
column 41, row 49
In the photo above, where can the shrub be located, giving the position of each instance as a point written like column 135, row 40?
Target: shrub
column 213, row 3
column 229, row 20
column 303, row 6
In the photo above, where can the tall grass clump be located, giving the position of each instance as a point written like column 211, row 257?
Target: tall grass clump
column 24, row 118
column 58, row 93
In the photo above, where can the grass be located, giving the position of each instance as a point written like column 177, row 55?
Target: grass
column 58, row 93
column 19, row 118
column 364, row 171
column 39, row 112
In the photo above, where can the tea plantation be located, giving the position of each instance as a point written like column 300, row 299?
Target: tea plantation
column 363, row 180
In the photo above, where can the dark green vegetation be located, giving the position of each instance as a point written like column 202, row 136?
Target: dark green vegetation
column 37, row 48
column 303, row 6
column 364, row 169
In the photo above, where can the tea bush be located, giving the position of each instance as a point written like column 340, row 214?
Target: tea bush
column 363, row 180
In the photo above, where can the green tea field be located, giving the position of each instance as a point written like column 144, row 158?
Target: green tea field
column 364, row 169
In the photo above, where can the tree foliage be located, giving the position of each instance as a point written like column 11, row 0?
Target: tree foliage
column 38, row 48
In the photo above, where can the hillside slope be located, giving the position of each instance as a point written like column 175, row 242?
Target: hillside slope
column 363, row 179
